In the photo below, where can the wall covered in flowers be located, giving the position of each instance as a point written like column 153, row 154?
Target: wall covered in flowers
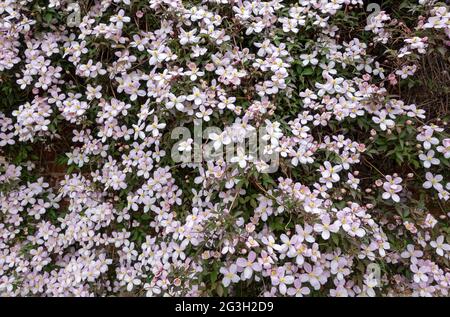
column 343, row 190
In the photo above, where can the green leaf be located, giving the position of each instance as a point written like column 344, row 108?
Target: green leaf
column 219, row 290
column 335, row 238
column 213, row 276
column 307, row 71
column 48, row 17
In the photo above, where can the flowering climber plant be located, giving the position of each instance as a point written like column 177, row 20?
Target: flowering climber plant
column 221, row 147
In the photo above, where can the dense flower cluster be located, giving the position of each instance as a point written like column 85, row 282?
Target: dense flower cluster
column 125, row 219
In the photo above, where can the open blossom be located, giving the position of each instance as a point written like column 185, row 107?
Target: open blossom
column 185, row 146
column 427, row 138
column 229, row 275
column 249, row 265
column 440, row 246
column 298, row 290
column 445, row 148
column 176, row 101
column 330, row 171
column 411, row 253
column 433, row 181
column 392, row 187
column 155, row 127
column 383, row 121
column 420, row 273
column 280, row 279
column 188, row 37
column 326, row 227
column 120, row 19
column 429, row 159
column 241, row 158
column 157, row 55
